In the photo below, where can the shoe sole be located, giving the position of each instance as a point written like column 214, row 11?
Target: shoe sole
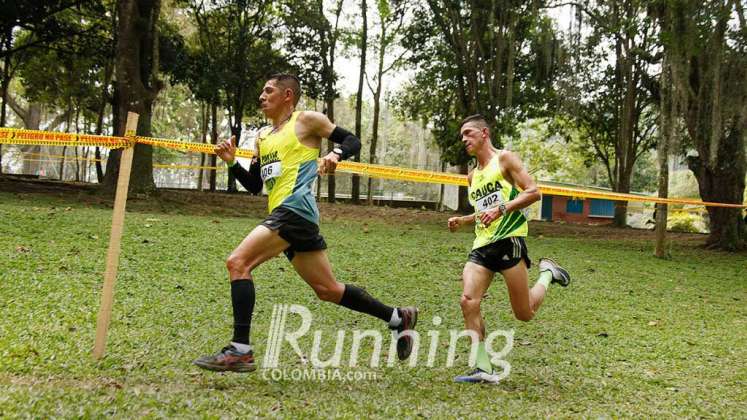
column 405, row 353
column 241, row 368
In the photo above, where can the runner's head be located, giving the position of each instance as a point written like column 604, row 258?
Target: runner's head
column 281, row 91
column 475, row 133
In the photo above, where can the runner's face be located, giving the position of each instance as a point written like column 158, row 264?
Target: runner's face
column 473, row 137
column 272, row 99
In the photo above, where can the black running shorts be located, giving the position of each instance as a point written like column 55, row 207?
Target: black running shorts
column 501, row 255
column 301, row 234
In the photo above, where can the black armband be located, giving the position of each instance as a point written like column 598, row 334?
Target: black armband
column 248, row 179
column 349, row 144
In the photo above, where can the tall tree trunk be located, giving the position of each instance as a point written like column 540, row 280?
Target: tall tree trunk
column 4, row 84
column 203, row 136
column 100, row 119
column 667, row 124
column 355, row 193
column 214, row 140
column 136, row 68
column 375, row 131
column 463, row 200
column 236, row 134
column 330, row 145
column 328, row 47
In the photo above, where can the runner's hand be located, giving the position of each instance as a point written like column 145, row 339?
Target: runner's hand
column 226, row 150
column 454, row 223
column 487, row 217
column 328, row 164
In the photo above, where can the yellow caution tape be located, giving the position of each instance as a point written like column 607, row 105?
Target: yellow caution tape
column 50, row 138
column 47, row 138
column 175, row 166
column 401, row 174
column 184, row 146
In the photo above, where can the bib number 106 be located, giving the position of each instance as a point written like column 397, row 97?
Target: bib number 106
column 270, row 171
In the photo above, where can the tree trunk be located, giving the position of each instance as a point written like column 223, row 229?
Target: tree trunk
column 203, row 133
column 463, row 200
column 375, row 133
column 136, row 66
column 330, row 146
column 100, row 120
column 724, row 184
column 236, row 135
column 214, row 140
column 4, row 84
column 441, row 190
column 355, row 193
column 667, row 124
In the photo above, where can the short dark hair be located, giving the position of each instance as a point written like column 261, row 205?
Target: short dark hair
column 288, row 81
column 476, row 118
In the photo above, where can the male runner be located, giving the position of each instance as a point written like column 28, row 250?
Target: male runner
column 499, row 188
column 287, row 165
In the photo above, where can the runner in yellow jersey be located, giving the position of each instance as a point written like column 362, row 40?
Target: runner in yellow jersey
column 286, row 163
column 499, row 190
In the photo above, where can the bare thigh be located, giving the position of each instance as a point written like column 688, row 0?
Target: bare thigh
column 259, row 246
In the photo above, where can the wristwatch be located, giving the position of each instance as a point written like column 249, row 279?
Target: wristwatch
column 338, row 152
column 502, row 208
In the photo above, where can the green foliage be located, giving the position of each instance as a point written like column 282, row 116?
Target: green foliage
column 230, row 54
column 473, row 58
column 67, row 71
column 633, row 336
column 645, row 174
column 605, row 102
column 310, row 41
column 684, row 222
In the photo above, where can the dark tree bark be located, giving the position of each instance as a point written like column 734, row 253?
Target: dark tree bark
column 136, row 67
column 355, row 193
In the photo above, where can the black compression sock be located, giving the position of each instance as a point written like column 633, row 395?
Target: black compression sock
column 359, row 300
column 242, row 297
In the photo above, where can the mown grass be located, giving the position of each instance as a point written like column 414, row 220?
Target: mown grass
column 633, row 335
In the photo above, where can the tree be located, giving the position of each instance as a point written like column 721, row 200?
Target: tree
column 605, row 95
column 235, row 40
column 363, row 42
column 494, row 57
column 390, row 29
column 706, row 44
column 137, row 85
column 311, row 41
column 27, row 25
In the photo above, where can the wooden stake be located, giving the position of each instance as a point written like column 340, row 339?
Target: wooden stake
column 115, row 241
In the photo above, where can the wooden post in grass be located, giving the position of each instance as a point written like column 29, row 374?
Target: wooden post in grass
column 115, row 240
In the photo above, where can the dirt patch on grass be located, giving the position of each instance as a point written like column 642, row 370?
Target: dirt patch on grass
column 171, row 201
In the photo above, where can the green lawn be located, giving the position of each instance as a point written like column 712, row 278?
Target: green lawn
column 632, row 336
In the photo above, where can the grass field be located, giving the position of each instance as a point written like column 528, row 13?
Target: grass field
column 633, row 336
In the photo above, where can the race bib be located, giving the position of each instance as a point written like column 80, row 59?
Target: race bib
column 271, row 170
column 489, row 201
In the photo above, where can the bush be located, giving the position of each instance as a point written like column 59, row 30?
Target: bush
column 684, row 222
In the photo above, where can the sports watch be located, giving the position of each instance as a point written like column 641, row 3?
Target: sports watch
column 338, row 152
column 502, row 208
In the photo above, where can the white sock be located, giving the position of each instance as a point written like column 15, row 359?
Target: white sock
column 395, row 320
column 243, row 348
column 544, row 279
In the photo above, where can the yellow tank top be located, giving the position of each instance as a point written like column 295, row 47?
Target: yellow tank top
column 288, row 170
column 488, row 190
